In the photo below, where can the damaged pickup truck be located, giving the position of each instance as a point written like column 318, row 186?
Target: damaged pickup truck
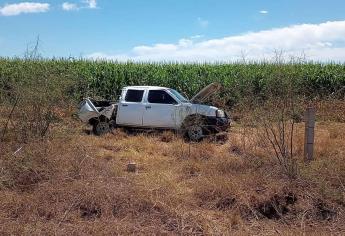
column 156, row 108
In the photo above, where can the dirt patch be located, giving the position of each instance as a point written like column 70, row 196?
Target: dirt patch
column 236, row 150
column 225, row 203
column 323, row 211
column 90, row 211
column 277, row 206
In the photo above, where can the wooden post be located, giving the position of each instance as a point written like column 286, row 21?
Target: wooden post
column 309, row 119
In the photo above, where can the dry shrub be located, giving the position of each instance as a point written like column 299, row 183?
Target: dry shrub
column 28, row 167
column 33, row 101
column 276, row 129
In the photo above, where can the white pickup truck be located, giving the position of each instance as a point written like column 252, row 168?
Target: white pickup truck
column 157, row 108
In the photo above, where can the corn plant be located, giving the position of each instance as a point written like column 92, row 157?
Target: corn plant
column 105, row 78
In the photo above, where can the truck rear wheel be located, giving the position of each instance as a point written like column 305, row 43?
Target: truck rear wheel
column 101, row 127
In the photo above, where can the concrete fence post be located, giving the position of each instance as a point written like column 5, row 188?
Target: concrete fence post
column 309, row 119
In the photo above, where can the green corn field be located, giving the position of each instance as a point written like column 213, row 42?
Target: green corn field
column 105, row 79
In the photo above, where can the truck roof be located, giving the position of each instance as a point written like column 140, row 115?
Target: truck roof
column 145, row 87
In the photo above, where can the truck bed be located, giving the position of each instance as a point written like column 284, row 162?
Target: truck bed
column 90, row 108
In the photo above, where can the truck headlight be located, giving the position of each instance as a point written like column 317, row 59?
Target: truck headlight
column 220, row 113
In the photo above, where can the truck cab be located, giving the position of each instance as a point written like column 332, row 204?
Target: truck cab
column 148, row 106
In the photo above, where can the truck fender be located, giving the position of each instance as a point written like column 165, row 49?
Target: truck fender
column 193, row 119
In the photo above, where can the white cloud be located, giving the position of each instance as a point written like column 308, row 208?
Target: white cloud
column 322, row 42
column 23, row 7
column 91, row 3
column 84, row 4
column 203, row 23
column 69, row 6
column 198, row 36
column 263, row 12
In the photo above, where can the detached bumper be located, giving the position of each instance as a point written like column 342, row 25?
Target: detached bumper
column 217, row 124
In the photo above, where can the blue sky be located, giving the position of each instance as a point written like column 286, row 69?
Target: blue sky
column 182, row 30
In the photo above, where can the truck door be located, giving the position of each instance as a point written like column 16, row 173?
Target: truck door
column 131, row 108
column 160, row 110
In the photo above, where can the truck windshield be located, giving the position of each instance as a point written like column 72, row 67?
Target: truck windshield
column 178, row 95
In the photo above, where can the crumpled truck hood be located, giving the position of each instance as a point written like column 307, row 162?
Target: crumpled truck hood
column 206, row 93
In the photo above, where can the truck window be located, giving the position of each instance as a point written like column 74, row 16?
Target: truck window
column 133, row 95
column 160, row 96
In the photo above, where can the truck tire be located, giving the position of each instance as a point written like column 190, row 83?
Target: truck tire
column 101, row 127
column 194, row 128
column 195, row 132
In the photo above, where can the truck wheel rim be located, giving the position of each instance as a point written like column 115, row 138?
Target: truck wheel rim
column 195, row 132
column 102, row 127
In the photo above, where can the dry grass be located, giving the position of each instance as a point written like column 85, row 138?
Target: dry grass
column 75, row 183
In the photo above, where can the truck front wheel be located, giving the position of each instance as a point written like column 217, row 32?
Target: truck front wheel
column 195, row 132
column 193, row 128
